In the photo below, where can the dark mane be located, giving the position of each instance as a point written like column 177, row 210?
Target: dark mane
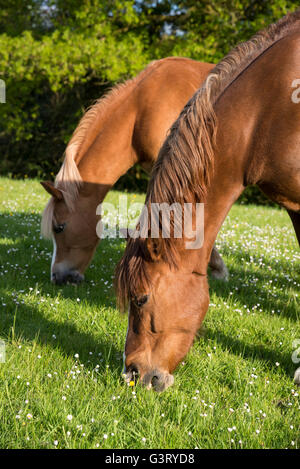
column 185, row 163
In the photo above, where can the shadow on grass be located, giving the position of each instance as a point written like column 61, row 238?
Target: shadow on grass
column 268, row 288
column 29, row 324
column 24, row 264
column 252, row 351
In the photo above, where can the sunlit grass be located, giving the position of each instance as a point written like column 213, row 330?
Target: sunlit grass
column 61, row 385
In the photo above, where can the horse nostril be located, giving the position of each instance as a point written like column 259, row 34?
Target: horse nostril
column 72, row 277
column 155, row 380
column 57, row 279
column 134, row 370
column 54, row 277
column 131, row 374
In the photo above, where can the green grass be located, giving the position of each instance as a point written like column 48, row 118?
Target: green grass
column 64, row 344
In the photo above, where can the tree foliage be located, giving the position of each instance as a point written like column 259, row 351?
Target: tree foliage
column 58, row 56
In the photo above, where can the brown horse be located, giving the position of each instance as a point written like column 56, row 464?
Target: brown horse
column 242, row 127
column 127, row 126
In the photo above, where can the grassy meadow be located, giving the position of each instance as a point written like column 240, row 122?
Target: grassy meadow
column 61, row 383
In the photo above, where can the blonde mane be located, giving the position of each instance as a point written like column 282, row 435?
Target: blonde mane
column 68, row 179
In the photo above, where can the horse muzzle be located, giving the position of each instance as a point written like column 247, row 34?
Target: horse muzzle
column 70, row 276
column 154, row 379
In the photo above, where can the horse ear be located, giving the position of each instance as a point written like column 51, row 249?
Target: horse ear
column 52, row 190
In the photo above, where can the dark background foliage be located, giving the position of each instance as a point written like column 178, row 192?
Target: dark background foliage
column 58, row 56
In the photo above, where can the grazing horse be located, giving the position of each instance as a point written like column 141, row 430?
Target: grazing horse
column 242, row 127
column 127, row 126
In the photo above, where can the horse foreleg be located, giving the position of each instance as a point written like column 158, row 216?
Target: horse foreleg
column 295, row 217
column 217, row 265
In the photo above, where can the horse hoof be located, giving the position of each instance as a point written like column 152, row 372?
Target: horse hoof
column 297, row 377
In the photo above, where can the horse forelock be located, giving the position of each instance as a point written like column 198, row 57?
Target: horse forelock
column 69, row 181
column 132, row 275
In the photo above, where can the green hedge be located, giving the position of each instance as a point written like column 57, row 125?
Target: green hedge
column 57, row 57
column 49, row 83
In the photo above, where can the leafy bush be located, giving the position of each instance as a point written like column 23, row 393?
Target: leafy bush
column 48, row 85
column 58, row 56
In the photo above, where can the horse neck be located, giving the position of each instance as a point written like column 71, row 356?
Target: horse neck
column 225, row 187
column 245, row 146
column 110, row 154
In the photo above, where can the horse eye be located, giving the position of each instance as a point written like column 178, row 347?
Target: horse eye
column 59, row 228
column 140, row 301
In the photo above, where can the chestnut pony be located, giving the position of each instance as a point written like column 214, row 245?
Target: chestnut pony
column 125, row 127
column 242, row 127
